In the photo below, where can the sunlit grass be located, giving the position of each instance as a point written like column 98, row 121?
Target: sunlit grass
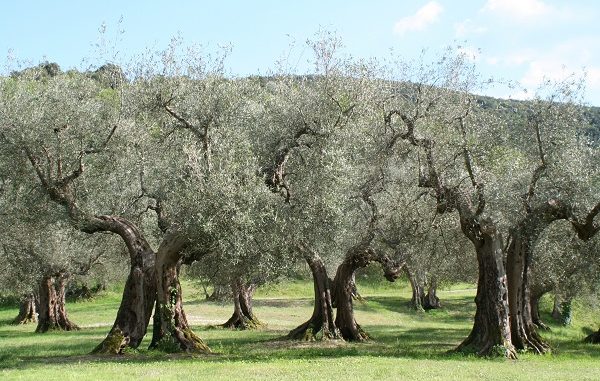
column 406, row 344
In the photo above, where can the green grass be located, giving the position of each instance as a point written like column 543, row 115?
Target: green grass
column 406, row 345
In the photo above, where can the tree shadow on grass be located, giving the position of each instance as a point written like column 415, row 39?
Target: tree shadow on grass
column 395, row 341
column 432, row 344
column 456, row 312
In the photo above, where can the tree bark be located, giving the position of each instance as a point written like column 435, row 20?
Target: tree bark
column 534, row 303
column 27, row 310
column 418, row 291
column 344, row 287
column 420, row 301
column 139, row 294
column 491, row 329
column 172, row 333
column 243, row 317
column 220, row 293
column 519, row 256
column 61, row 311
column 556, row 313
column 343, row 292
column 523, row 329
column 321, row 325
column 431, row 300
column 53, row 314
column 561, row 310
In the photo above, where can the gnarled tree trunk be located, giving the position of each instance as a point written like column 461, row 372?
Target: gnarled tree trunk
column 321, row 324
column 556, row 313
column 490, row 334
column 418, row 291
column 344, row 288
column 27, row 310
column 431, row 300
column 518, row 263
column 421, row 301
column 523, row 329
column 242, row 317
column 53, row 314
column 220, row 293
column 172, row 332
column 139, row 294
column 535, row 295
column 61, row 311
column 561, row 310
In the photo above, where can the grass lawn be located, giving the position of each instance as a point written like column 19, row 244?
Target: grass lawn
column 406, row 344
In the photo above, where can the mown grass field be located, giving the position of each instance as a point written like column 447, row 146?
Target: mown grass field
column 406, row 344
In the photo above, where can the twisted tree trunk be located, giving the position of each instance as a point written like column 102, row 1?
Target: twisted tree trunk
column 490, row 334
column 61, row 311
column 172, row 332
column 431, row 300
column 27, row 310
column 321, row 324
column 556, row 313
column 534, row 303
column 523, row 329
column 242, row 317
column 139, row 294
column 418, row 291
column 519, row 255
column 53, row 314
column 344, row 288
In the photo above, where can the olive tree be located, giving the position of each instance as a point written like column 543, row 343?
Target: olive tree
column 431, row 111
column 68, row 132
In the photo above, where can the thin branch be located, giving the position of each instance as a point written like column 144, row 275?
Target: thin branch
column 104, row 145
column 540, row 170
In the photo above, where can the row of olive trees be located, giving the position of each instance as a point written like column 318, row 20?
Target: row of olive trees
column 356, row 163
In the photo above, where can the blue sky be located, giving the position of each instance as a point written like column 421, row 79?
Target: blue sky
column 522, row 40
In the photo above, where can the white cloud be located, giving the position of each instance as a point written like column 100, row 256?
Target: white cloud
column 531, row 67
column 467, row 27
column 574, row 57
column 542, row 69
column 425, row 16
column 522, row 10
